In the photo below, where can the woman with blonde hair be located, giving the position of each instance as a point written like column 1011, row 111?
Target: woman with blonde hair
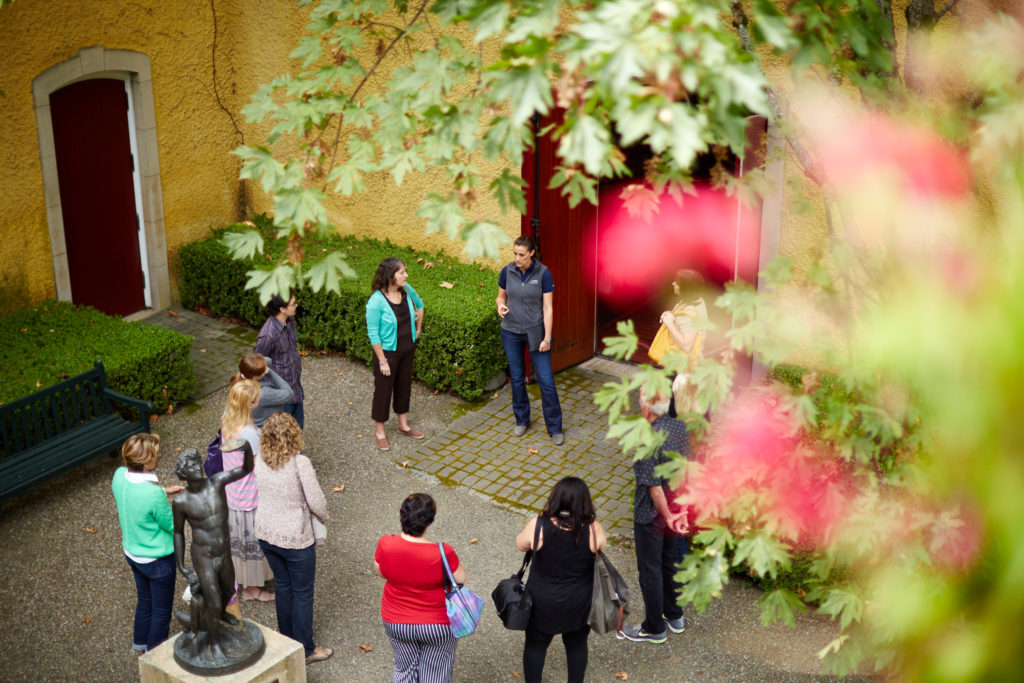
column 275, row 393
column 251, row 568
column 289, row 494
column 147, row 528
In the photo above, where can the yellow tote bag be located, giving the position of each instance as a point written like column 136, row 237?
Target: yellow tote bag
column 660, row 345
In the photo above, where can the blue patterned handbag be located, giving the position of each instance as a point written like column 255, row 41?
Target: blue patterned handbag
column 463, row 605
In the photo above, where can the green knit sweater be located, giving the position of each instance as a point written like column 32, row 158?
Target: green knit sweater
column 147, row 525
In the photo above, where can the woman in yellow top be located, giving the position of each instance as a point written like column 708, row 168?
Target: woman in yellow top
column 687, row 336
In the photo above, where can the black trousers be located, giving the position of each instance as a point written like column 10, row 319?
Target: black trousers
column 536, row 650
column 395, row 389
column 657, row 560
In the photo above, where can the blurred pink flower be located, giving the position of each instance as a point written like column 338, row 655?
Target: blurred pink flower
column 852, row 147
column 637, row 254
column 754, row 457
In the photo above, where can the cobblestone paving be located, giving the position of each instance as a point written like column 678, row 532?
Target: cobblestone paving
column 217, row 349
column 479, row 450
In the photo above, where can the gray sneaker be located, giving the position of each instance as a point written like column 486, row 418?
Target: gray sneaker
column 558, row 438
column 676, row 625
column 637, row 634
column 520, row 429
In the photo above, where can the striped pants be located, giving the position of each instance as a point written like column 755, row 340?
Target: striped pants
column 424, row 653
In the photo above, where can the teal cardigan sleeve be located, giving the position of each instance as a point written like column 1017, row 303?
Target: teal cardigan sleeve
column 373, row 313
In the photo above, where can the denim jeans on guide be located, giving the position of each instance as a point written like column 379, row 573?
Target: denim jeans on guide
column 154, row 585
column 515, row 345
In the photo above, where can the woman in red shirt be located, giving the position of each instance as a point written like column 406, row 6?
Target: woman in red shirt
column 413, row 606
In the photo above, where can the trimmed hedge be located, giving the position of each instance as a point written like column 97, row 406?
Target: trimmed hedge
column 44, row 344
column 460, row 349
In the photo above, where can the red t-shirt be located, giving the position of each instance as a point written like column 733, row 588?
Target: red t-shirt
column 414, row 588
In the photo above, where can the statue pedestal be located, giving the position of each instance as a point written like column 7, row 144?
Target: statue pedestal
column 283, row 661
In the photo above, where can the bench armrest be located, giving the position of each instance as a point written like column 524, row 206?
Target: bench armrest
column 145, row 408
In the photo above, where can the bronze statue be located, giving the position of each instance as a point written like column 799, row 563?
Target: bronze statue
column 214, row 642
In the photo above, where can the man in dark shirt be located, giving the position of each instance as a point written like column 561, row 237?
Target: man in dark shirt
column 657, row 530
column 279, row 341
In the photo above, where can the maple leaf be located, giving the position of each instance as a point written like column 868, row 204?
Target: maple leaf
column 86, row 620
column 405, row 463
column 202, row 350
column 90, row 529
column 172, row 314
column 340, row 373
column 365, row 648
column 348, row 403
column 338, row 489
column 446, row 285
column 533, row 451
column 621, row 675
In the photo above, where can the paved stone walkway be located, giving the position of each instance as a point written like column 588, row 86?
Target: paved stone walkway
column 217, row 349
column 479, row 450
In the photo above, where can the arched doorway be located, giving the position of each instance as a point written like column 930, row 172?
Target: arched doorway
column 98, row 188
column 132, row 71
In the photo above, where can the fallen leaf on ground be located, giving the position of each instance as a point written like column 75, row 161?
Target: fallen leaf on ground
column 405, row 463
column 153, row 418
column 515, row 674
column 38, row 384
column 340, row 488
column 481, row 267
column 621, row 675
column 90, row 529
column 178, row 449
column 533, row 451
column 365, row 648
column 24, row 329
column 340, row 373
column 428, row 264
column 474, row 540
column 170, row 408
column 435, row 392
column 359, row 436
column 86, row 620
column 303, row 352
column 446, row 285
column 495, row 395
column 202, row 350
column 348, row 403
column 172, row 314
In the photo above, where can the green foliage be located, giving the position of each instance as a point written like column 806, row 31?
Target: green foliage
column 47, row 343
column 459, row 350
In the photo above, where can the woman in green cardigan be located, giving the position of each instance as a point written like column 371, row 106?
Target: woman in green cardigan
column 147, row 528
column 394, row 318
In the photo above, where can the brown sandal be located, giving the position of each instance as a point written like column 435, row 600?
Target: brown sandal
column 382, row 443
column 320, row 654
column 411, row 432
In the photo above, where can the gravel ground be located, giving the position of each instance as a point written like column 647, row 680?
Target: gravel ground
column 67, row 596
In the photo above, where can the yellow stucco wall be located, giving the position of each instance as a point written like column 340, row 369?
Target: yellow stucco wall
column 199, row 180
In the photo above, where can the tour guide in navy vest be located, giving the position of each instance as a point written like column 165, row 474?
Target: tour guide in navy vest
column 525, row 293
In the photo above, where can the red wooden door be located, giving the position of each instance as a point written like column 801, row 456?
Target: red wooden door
column 559, row 233
column 94, row 169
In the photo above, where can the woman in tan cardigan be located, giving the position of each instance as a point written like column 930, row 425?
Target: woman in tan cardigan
column 289, row 494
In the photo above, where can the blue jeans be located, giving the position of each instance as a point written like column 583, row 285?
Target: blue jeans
column 296, row 411
column 294, row 572
column 515, row 345
column 154, row 584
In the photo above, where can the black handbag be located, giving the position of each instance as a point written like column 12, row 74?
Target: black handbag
column 610, row 602
column 513, row 602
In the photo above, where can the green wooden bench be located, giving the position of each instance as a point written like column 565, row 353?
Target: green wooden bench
column 61, row 427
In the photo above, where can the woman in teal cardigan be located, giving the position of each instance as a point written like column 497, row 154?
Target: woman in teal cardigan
column 147, row 528
column 394, row 318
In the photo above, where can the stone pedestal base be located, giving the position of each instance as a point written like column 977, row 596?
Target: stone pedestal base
column 283, row 660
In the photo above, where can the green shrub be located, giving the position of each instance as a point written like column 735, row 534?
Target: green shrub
column 460, row 349
column 44, row 344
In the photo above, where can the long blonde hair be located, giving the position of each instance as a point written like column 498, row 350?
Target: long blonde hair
column 281, row 439
column 238, row 413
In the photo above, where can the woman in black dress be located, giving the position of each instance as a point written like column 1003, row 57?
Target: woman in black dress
column 562, row 577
